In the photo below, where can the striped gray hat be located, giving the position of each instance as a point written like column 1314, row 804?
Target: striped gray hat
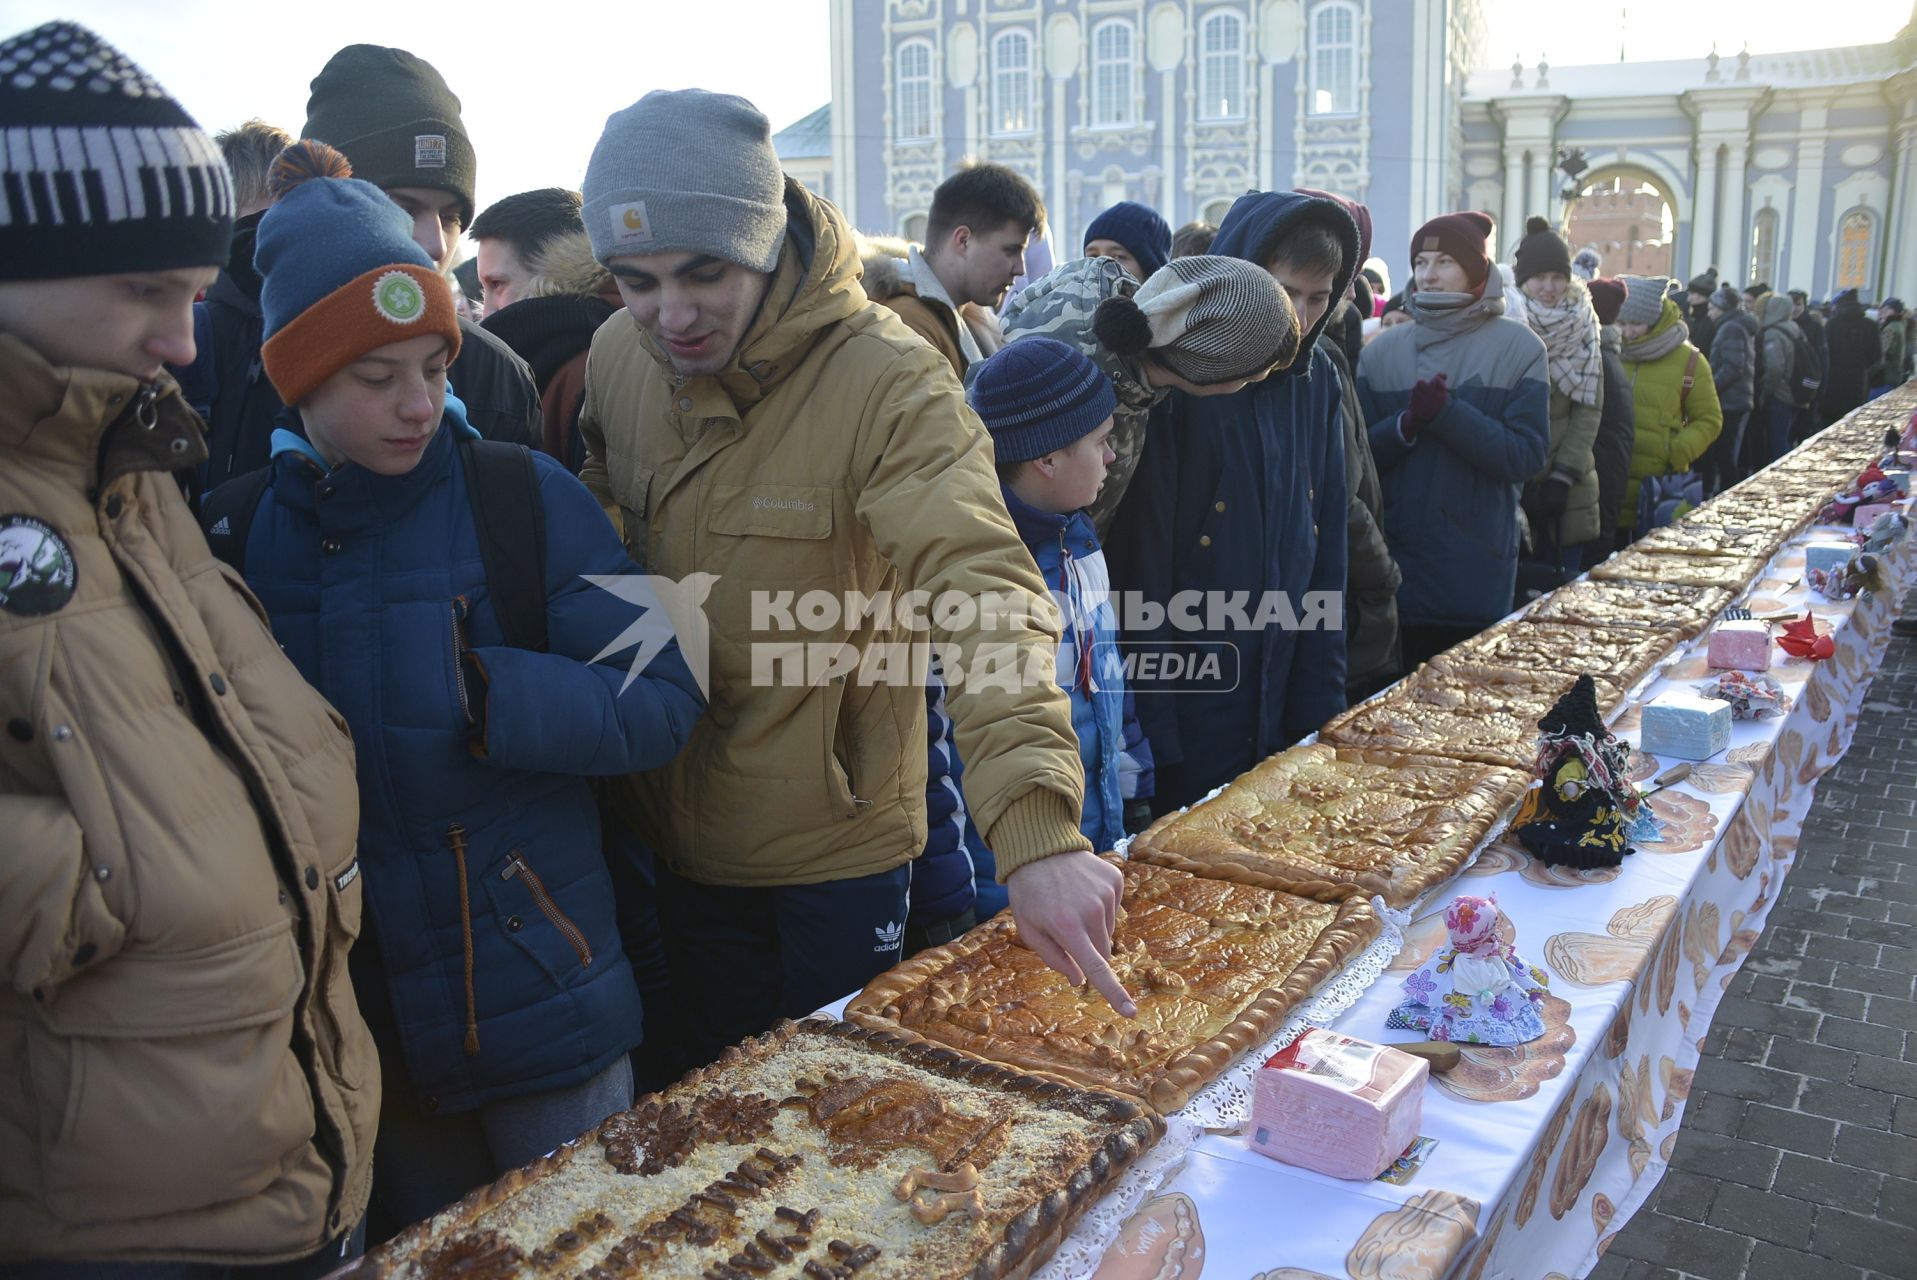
column 100, row 171
column 1209, row 319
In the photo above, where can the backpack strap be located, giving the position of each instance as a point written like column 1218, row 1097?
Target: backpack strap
column 226, row 515
column 1684, row 387
column 502, row 487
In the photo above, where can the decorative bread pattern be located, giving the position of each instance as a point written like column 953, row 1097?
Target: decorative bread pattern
column 820, row 1151
column 1215, row 967
column 1733, row 572
column 1622, row 655
column 1484, row 715
column 1321, row 817
column 1662, row 606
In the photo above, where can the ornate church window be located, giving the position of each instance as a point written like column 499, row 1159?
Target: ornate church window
column 1763, row 246
column 1853, row 250
column 912, row 94
column 1112, row 42
column 1334, row 58
column 1221, row 66
column 1012, row 82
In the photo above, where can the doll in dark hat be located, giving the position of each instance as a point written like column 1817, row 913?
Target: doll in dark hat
column 1582, row 810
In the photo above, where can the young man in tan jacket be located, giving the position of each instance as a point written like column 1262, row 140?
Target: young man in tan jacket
column 191, row 1091
column 756, row 418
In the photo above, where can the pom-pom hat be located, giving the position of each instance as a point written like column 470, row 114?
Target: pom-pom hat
column 1208, row 319
column 342, row 276
column 1541, row 252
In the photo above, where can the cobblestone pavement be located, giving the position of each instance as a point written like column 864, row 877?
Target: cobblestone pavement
column 1798, row 1155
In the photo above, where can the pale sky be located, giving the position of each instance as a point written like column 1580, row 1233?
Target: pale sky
column 538, row 81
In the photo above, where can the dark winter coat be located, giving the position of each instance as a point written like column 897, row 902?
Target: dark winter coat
column 1451, row 495
column 1246, row 495
column 1733, row 356
column 1617, row 433
column 376, row 589
column 552, row 335
column 1373, row 652
column 1855, row 347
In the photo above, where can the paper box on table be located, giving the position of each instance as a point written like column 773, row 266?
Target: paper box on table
column 1828, row 554
column 1686, row 726
column 1869, row 511
column 1740, row 646
column 1338, row 1106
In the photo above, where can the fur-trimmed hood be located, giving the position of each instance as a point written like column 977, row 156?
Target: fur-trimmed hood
column 886, row 262
column 566, row 266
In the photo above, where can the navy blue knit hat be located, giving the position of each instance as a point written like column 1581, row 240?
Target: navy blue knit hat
column 1037, row 396
column 1137, row 227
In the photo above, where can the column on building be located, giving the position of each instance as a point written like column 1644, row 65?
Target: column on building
column 1720, row 227
column 1900, row 256
column 1530, row 155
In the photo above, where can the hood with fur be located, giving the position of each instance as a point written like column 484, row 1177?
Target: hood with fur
column 566, row 266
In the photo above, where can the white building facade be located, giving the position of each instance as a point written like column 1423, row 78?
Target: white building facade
column 1800, row 169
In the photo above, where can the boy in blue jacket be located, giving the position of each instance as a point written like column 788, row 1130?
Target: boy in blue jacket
column 490, row 968
column 1049, row 409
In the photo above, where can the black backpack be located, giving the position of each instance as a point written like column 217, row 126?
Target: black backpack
column 1807, row 371
column 502, row 488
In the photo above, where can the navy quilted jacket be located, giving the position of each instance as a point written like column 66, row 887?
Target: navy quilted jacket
column 370, row 582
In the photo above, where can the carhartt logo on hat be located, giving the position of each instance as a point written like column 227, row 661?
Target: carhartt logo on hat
column 429, row 151
column 629, row 223
column 398, row 297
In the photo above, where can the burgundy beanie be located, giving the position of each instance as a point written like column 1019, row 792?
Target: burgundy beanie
column 1463, row 236
column 1607, row 295
column 1359, row 215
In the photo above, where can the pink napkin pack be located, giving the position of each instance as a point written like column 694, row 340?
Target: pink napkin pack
column 1338, row 1106
column 1740, row 646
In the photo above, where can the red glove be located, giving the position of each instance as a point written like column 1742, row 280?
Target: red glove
column 1428, row 399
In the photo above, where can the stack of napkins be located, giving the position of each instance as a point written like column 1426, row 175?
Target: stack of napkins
column 1744, row 645
column 1341, row 1107
column 1686, row 726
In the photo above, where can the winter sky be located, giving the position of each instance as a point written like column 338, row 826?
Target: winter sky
column 537, row 78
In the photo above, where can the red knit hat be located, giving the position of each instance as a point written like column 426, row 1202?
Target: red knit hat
column 1463, row 236
column 1607, row 295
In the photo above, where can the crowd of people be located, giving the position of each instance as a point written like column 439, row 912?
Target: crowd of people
column 410, row 754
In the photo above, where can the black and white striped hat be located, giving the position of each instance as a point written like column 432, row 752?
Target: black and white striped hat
column 100, row 171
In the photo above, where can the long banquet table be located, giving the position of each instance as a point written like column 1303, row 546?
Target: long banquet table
column 1545, row 1150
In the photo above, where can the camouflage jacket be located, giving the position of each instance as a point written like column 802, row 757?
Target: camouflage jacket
column 1060, row 305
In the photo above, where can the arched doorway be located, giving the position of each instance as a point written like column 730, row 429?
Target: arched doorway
column 1630, row 218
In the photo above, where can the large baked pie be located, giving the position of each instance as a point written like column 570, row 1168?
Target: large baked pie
column 1322, row 817
column 1732, row 572
column 1622, row 655
column 1715, row 533
column 1214, row 966
column 819, row 1151
column 1663, row 606
column 1487, row 715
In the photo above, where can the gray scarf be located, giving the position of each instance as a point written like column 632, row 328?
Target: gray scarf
column 1653, row 346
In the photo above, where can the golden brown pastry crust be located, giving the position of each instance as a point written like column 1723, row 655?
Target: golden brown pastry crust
column 1715, row 535
column 1661, row 606
column 1028, row 1239
column 1317, row 818
column 1622, row 655
column 1734, row 573
column 1244, row 1015
column 1483, row 715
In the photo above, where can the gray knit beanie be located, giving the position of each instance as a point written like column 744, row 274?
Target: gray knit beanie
column 1643, row 299
column 1726, row 298
column 687, row 171
column 1209, row 319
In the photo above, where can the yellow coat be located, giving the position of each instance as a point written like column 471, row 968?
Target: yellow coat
column 834, row 454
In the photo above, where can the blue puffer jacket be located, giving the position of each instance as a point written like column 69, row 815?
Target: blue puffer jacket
column 1090, row 668
column 1241, row 501
column 370, row 582
column 1451, row 496
column 942, row 877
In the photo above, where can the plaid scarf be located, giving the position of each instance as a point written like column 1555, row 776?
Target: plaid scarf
column 1570, row 333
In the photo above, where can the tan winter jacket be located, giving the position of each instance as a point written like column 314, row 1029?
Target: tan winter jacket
column 186, row 1072
column 836, row 453
column 897, row 275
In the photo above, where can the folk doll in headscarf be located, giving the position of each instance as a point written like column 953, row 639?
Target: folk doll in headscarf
column 1476, row 990
column 1582, row 810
